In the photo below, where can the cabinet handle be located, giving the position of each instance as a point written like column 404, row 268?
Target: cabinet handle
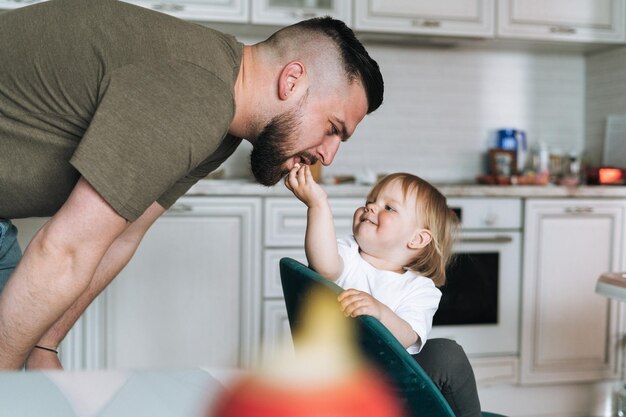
column 489, row 239
column 301, row 14
column 168, row 7
column 180, row 208
column 579, row 210
column 426, row 23
column 566, row 30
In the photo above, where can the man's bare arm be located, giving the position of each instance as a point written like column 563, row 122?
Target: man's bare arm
column 115, row 259
column 57, row 267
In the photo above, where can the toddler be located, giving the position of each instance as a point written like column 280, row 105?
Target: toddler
column 392, row 264
column 391, row 267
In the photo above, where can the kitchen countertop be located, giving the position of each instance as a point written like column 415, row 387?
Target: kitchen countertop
column 249, row 188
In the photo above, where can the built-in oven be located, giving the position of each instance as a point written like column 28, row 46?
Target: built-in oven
column 480, row 304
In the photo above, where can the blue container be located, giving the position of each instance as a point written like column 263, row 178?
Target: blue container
column 507, row 139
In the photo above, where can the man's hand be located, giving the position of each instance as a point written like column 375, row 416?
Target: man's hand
column 358, row 303
column 301, row 183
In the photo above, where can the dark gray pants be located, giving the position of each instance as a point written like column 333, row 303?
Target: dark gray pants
column 447, row 365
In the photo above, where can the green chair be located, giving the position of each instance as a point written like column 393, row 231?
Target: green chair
column 413, row 386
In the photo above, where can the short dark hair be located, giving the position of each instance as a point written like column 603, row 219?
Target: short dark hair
column 357, row 62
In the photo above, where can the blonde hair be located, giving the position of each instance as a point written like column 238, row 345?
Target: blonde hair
column 443, row 224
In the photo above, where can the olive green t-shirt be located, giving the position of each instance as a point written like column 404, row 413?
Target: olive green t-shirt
column 137, row 102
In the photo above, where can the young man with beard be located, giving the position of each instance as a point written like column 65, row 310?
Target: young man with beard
column 110, row 112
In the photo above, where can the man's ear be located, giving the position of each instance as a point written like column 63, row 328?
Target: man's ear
column 290, row 78
column 420, row 239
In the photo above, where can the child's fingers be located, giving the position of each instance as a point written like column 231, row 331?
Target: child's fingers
column 291, row 181
column 309, row 174
column 287, row 179
column 302, row 173
column 347, row 293
column 351, row 302
column 355, row 308
column 360, row 311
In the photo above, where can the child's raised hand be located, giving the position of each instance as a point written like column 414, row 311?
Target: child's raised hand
column 301, row 183
column 358, row 303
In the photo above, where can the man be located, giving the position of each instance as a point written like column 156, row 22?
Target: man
column 110, row 112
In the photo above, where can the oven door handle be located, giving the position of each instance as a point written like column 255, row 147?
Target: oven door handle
column 488, row 239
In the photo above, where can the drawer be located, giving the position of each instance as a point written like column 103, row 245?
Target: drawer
column 285, row 219
column 272, row 288
column 488, row 213
column 276, row 331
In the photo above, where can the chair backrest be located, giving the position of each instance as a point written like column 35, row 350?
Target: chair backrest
column 379, row 346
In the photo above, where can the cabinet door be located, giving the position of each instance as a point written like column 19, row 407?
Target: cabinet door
column 285, row 219
column 570, row 333
column 272, row 286
column 286, row 12
column 562, row 20
column 191, row 294
column 276, row 330
column 236, row 11
column 445, row 17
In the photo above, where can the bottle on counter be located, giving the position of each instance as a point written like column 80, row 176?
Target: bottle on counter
column 539, row 163
column 572, row 172
column 556, row 165
column 521, row 150
column 514, row 140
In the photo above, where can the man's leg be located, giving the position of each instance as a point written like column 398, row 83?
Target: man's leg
column 10, row 252
column 447, row 365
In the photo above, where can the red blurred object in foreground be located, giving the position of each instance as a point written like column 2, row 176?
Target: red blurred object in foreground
column 324, row 376
column 361, row 394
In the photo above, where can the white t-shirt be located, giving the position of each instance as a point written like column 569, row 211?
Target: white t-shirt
column 414, row 298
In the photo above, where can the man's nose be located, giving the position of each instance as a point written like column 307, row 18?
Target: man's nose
column 328, row 149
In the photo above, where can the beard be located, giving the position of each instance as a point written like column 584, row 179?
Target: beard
column 274, row 146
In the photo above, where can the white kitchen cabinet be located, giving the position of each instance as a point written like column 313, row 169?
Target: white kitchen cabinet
column 272, row 287
column 570, row 333
column 285, row 226
column 473, row 18
column 562, row 20
column 230, row 11
column 189, row 297
column 276, row 330
column 191, row 294
column 285, row 219
column 286, row 12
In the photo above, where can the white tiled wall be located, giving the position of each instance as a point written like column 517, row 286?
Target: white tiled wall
column 441, row 104
column 606, row 94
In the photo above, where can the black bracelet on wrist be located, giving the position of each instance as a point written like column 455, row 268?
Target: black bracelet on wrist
column 47, row 348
